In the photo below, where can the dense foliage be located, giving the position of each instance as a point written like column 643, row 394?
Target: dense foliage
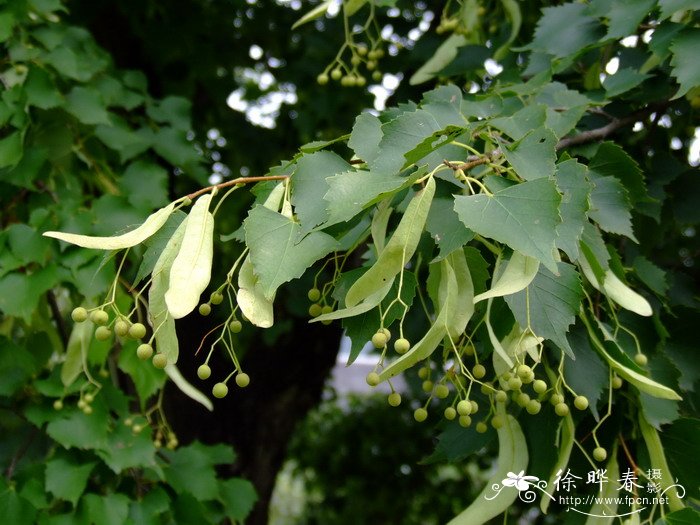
column 526, row 249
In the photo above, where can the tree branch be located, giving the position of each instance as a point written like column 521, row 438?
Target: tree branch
column 233, row 182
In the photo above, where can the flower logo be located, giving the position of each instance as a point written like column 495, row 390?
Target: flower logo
column 520, row 481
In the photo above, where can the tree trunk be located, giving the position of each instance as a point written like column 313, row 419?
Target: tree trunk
column 286, row 382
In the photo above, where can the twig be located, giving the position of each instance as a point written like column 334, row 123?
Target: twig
column 9, row 472
column 57, row 317
column 233, row 182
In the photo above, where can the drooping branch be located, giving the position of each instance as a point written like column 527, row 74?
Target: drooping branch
column 585, row 137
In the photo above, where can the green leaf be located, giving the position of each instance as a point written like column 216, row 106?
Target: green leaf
column 86, row 105
column 625, row 15
column 147, row 379
column 565, row 30
column 651, row 275
column 66, row 478
column 41, row 91
column 670, row 7
column 524, row 217
column 276, row 249
column 7, row 23
column 456, row 443
column 309, row 185
column 611, row 160
column 238, row 497
column 610, row 207
column 520, row 123
column 678, row 439
column 350, row 193
column 550, row 304
column 533, row 156
column 575, row 188
column 121, row 138
column 442, row 57
column 145, row 185
column 79, row 430
column 365, row 137
column 173, row 146
column 586, row 374
column 191, row 469
column 172, row 110
column 400, row 136
column 685, row 48
column 445, row 228
column 11, row 149
column 686, row 516
column 445, row 104
column 125, row 450
column 20, row 292
column 14, row 507
column 624, row 80
column 147, row 510
column 107, row 509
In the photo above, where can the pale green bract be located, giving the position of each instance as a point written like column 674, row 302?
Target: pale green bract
column 398, row 251
column 191, row 269
column 251, row 298
column 512, row 459
column 518, row 274
column 162, row 322
column 150, row 226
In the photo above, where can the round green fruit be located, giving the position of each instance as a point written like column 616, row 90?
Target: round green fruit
column 242, row 380
column 464, row 407
column 481, row 427
column 533, row 407
column 102, row 333
column 600, row 454
column 314, row 295
column 561, row 409
column 58, row 405
column 514, row 383
column 641, row 359
column 373, row 379
column 479, row 371
column 204, row 372
column 315, row 310
column 402, row 345
column 160, row 361
column 99, row 317
column 420, row 414
column 465, row 421
column 235, row 326
column 450, row 413
column 497, row 421
column 442, row 391
column 427, row 386
column 394, row 399
column 581, row 402
column 539, row 386
column 220, row 390
column 501, row 396
column 204, row 309
column 379, row 340
column 121, row 328
column 79, row 314
column 216, row 298
column 144, row 351
column 137, row 331
column 322, row 79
